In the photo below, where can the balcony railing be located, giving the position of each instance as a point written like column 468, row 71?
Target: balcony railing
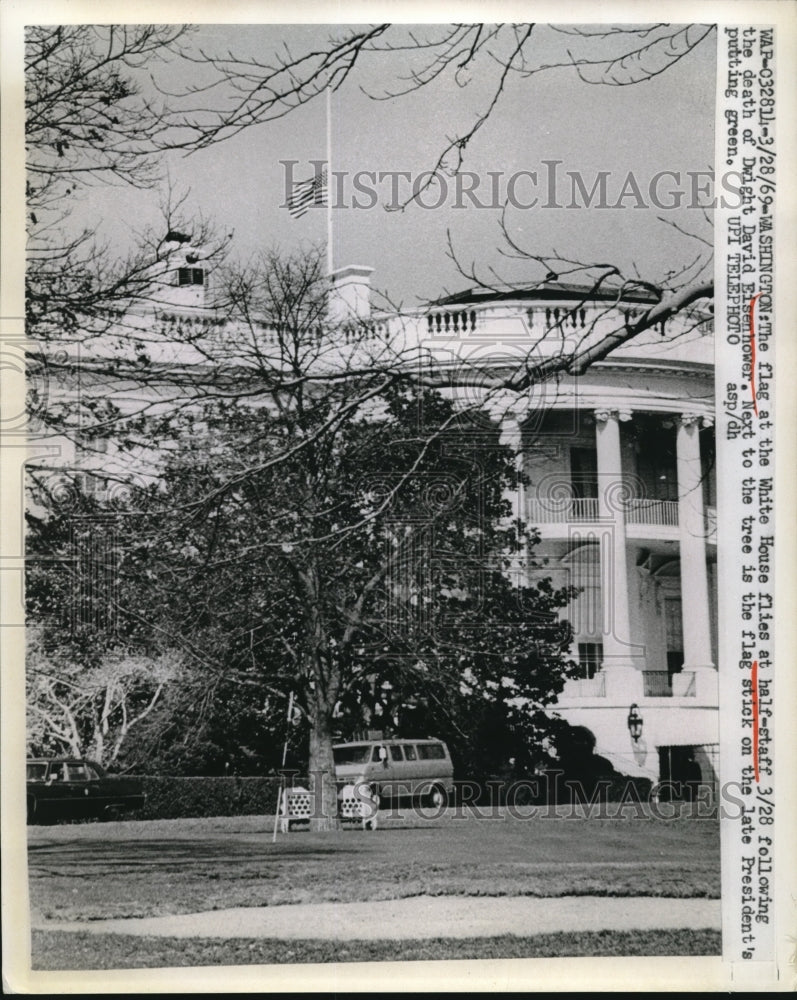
column 553, row 510
column 520, row 320
column 662, row 684
column 652, row 512
column 556, row 511
column 452, row 321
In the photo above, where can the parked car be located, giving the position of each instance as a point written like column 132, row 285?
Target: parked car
column 70, row 788
column 397, row 768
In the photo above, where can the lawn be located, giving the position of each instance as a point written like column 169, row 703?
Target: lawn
column 54, row 950
column 127, row 869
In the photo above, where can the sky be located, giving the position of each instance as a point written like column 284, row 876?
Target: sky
column 665, row 123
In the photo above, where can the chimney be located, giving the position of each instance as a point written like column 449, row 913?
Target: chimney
column 350, row 294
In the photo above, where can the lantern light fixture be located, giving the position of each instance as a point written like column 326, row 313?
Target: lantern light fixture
column 635, row 722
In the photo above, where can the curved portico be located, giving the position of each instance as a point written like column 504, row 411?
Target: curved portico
column 624, row 503
column 619, row 481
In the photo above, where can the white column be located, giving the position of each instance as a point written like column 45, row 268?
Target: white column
column 692, row 530
column 512, row 437
column 614, row 568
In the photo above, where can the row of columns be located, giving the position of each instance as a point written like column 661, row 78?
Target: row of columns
column 619, row 645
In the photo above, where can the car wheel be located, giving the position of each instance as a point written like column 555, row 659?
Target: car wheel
column 438, row 798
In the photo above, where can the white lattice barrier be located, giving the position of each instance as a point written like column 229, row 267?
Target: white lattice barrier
column 296, row 807
column 355, row 804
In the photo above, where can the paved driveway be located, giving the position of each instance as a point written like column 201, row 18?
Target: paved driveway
column 420, row 917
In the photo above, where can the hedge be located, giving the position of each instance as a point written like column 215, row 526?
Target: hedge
column 175, row 798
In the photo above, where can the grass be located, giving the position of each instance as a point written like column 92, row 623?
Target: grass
column 56, row 950
column 131, row 868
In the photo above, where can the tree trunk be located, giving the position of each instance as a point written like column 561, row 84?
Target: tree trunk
column 322, row 770
column 96, row 750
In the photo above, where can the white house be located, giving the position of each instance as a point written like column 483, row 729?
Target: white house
column 621, row 484
column 619, row 480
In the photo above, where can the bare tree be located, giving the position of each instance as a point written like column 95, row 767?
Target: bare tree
column 686, row 290
column 91, row 709
column 99, row 111
column 319, row 515
column 413, row 57
column 486, row 56
column 94, row 116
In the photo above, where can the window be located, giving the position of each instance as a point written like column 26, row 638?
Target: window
column 584, row 472
column 585, row 612
column 656, row 463
column 350, row 755
column 674, row 630
column 590, row 657
column 190, row 276
column 76, row 772
column 36, row 772
column 395, row 753
column 409, row 753
column 431, row 751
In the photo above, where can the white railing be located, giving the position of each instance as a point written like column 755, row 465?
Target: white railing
column 647, row 684
column 553, row 510
column 556, row 511
column 452, row 321
column 532, row 321
column 653, row 512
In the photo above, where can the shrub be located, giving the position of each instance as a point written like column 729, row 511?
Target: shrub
column 554, row 786
column 562, row 788
column 175, row 798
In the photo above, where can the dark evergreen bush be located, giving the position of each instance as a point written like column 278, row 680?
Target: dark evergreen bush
column 173, row 798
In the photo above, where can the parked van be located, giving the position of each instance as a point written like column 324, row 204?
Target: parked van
column 396, row 768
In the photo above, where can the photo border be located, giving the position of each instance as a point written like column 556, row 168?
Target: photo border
column 636, row 974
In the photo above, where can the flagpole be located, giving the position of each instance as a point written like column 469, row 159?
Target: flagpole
column 287, row 731
column 280, row 794
column 329, row 181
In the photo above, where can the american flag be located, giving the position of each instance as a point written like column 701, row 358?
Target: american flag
column 308, row 193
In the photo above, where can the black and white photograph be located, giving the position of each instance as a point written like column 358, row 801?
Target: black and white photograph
column 389, row 534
